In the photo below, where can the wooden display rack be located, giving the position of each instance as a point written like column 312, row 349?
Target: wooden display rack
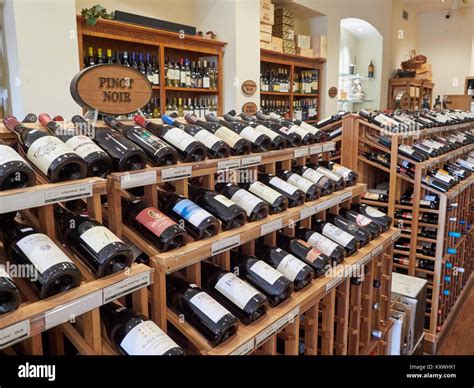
column 355, row 131
column 73, row 314
column 416, row 88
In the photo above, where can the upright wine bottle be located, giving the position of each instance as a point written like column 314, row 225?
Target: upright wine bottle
column 268, row 280
column 126, row 156
column 239, row 297
column 326, row 184
column 189, row 149
column 101, row 250
column 277, row 201
column 323, row 244
column 10, row 297
column 152, row 224
column 375, row 215
column 15, row 172
column 296, row 197
column 200, row 310
column 228, row 212
column 339, row 181
column 157, row 151
column 198, row 222
column 255, row 208
column 57, row 161
column 364, row 222
column 310, row 189
column 294, row 269
column 350, row 176
column 55, row 272
column 362, row 235
column 98, row 162
column 134, row 334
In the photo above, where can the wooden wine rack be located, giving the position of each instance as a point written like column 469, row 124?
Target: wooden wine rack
column 443, row 307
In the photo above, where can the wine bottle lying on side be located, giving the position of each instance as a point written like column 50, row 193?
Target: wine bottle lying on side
column 278, row 202
column 310, row 189
column 15, row 172
column 375, row 215
column 10, row 297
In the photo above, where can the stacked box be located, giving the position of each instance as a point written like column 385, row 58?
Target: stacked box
column 277, row 44
column 319, row 45
column 266, row 28
column 305, row 52
column 267, row 12
column 284, row 28
column 303, row 41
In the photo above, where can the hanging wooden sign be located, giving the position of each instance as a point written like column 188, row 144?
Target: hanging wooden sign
column 249, row 87
column 111, row 89
column 332, row 92
column 249, row 108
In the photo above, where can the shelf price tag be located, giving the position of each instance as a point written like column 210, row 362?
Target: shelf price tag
column 329, row 203
column 300, row 152
column 365, row 259
column 335, row 281
column 175, row 173
column 377, row 250
column 251, row 161
column 67, row 193
column 225, row 244
column 14, row 333
column 329, row 146
column 315, row 149
column 308, row 212
column 271, row 226
column 128, row 180
column 345, row 196
column 244, row 349
column 228, row 164
column 126, row 286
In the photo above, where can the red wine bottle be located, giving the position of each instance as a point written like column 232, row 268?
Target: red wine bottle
column 293, row 268
column 296, row 197
column 337, row 235
column 364, row 222
column 239, row 297
column 278, row 202
column 126, row 155
column 268, row 280
column 198, row 222
column 326, row 184
column 362, row 235
column 349, row 176
column 157, row 151
column 98, row 162
column 15, row 172
column 10, row 297
column 375, row 215
column 189, row 149
column 310, row 189
column 134, row 334
column 228, row 212
column 200, row 310
column 340, row 183
column 323, row 244
column 101, row 250
column 152, row 224
column 57, row 161
column 55, row 272
column 255, row 208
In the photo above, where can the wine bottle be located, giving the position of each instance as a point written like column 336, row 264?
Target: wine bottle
column 378, row 197
column 349, row 176
column 10, row 297
column 198, row 222
column 296, row 197
column 189, row 149
column 326, row 184
column 294, row 269
column 255, row 208
column 337, row 235
column 200, row 310
column 362, row 235
column 157, row 151
column 308, row 254
column 98, row 162
column 55, row 272
column 306, row 136
column 444, row 177
column 435, row 183
column 268, row 280
column 239, row 297
column 410, row 153
column 126, row 156
column 152, row 224
column 101, row 250
column 335, row 252
column 134, row 334
column 228, row 212
column 362, row 221
column 375, row 215
column 239, row 145
column 216, row 147
column 338, row 180
column 277, row 201
column 15, row 172
column 57, row 161
column 310, row 189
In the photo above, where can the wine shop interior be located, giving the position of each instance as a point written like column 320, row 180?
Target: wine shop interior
column 258, row 177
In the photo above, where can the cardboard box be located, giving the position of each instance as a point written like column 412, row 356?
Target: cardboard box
column 266, row 28
column 305, row 52
column 267, row 13
column 265, row 37
column 303, row 41
column 320, row 45
column 265, row 2
column 289, row 50
column 285, row 35
column 284, row 20
column 265, row 46
column 266, row 6
column 277, row 44
column 284, row 12
column 289, row 44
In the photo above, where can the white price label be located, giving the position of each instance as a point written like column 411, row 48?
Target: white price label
column 365, row 259
column 251, row 161
column 225, row 244
column 174, row 173
column 315, row 149
column 228, row 164
column 264, row 335
column 128, row 181
column 329, row 203
column 126, row 286
column 329, row 146
column 21, row 201
column 271, row 226
column 68, row 193
column 244, row 349
column 14, row 333
column 71, row 310
column 300, row 152
column 308, row 212
column 377, row 250
column 345, row 196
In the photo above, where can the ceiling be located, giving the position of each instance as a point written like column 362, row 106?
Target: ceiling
column 432, row 5
column 359, row 28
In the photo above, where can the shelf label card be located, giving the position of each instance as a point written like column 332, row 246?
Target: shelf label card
column 126, row 286
column 73, row 309
column 67, row 193
column 21, row 201
column 271, row 226
column 377, row 250
column 225, row 244
column 336, row 280
column 315, row 149
column 250, row 161
column 244, row 349
column 345, row 196
column 329, row 146
column 329, row 203
column 144, row 178
column 228, row 164
column 14, row 333
column 365, row 259
column 277, row 326
column 300, row 152
column 308, row 212
column 174, row 173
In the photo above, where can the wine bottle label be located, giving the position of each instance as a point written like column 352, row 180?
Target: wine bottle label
column 228, row 136
column 432, row 144
column 266, row 272
column 149, row 78
column 246, row 200
column 424, row 203
column 300, row 182
column 42, row 252
column 312, row 175
column 337, row 235
column 209, row 306
column 267, row 131
column 99, row 237
column 299, row 131
column 154, row 220
column 285, row 130
column 406, row 149
column 362, row 220
column 191, row 212
column 250, row 134
column 83, row 146
column 443, row 177
column 156, row 79
column 224, row 200
column 322, row 243
column 178, row 138
column 371, row 196
column 290, row 266
column 144, row 136
column 372, row 212
column 8, row 154
column 328, row 173
column 206, row 138
column 465, row 164
column 235, row 289
column 341, row 170
column 282, row 185
column 45, row 150
column 147, row 339
column 313, row 254
column 206, row 83
column 265, row 192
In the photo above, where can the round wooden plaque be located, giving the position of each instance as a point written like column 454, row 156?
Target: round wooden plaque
column 249, row 87
column 332, row 92
column 249, row 108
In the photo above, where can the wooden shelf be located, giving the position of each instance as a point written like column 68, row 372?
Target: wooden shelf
column 308, row 95
column 376, row 165
column 282, row 94
column 270, row 56
column 191, row 90
column 373, row 203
